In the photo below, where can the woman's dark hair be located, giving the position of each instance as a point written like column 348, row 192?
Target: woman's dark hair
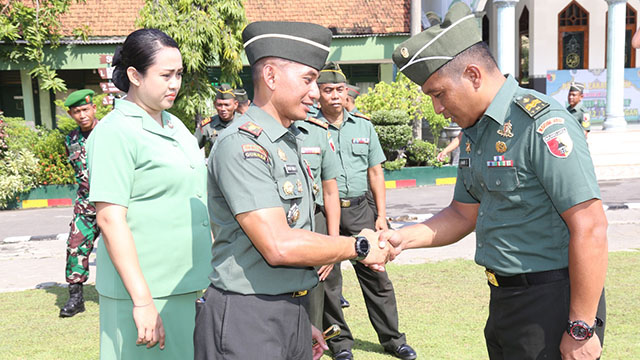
column 139, row 50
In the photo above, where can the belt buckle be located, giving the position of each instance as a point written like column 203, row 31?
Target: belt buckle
column 299, row 293
column 345, row 203
column 491, row 277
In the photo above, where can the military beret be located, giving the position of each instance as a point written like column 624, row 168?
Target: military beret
column 331, row 74
column 423, row 54
column 305, row 43
column 224, row 92
column 79, row 98
column 354, row 91
column 576, row 86
column 241, row 95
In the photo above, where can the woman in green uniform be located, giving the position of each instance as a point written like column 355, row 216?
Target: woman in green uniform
column 148, row 182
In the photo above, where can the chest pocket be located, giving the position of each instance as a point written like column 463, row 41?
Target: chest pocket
column 502, row 179
column 360, row 149
column 314, row 161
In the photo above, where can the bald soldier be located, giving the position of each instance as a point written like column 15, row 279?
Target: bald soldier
column 526, row 184
column 226, row 105
column 261, row 210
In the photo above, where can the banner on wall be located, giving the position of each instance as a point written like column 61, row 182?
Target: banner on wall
column 595, row 90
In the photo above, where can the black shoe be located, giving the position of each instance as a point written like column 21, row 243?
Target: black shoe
column 404, row 352
column 75, row 304
column 343, row 355
column 343, row 302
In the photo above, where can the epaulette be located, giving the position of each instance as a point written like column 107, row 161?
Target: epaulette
column 360, row 115
column 206, row 121
column 317, row 122
column 531, row 105
column 251, row 128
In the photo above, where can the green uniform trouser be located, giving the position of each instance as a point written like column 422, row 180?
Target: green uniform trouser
column 316, row 295
column 84, row 231
column 376, row 288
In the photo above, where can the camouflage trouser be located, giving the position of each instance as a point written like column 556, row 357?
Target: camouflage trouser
column 84, row 231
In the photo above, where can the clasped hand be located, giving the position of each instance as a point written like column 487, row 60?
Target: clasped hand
column 380, row 251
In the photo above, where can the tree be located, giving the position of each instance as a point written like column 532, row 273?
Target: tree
column 208, row 33
column 32, row 27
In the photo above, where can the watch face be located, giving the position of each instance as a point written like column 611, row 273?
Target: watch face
column 363, row 246
column 579, row 332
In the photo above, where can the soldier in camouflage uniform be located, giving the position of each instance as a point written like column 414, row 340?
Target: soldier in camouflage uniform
column 84, row 228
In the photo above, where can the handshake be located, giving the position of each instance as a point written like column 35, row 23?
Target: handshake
column 384, row 245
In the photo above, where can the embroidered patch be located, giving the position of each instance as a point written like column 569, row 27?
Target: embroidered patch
column 549, row 122
column 531, row 104
column 205, row 121
column 559, row 143
column 253, row 151
column 360, row 140
column 318, row 122
column 311, row 150
column 586, row 120
column 251, row 128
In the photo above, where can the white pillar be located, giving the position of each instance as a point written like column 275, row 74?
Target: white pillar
column 27, row 97
column 45, row 107
column 614, row 114
column 506, row 48
column 416, row 17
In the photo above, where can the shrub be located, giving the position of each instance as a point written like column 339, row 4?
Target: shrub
column 18, row 170
column 396, row 164
column 53, row 161
column 3, row 137
column 392, row 129
column 423, row 153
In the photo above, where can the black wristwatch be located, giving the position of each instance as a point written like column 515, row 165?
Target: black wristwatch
column 579, row 330
column 362, row 247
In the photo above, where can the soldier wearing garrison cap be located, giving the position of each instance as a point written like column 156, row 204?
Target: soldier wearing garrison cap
column 526, row 184
column 350, row 100
column 226, row 104
column 574, row 98
column 243, row 100
column 261, row 207
column 84, row 228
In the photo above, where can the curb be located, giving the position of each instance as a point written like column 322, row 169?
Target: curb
column 17, row 239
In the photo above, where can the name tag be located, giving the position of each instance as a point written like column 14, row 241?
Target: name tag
column 466, row 162
column 360, row 140
column 290, row 169
column 310, row 150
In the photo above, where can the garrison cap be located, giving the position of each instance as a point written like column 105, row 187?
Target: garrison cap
column 576, row 86
column 79, row 98
column 305, row 43
column 241, row 95
column 224, row 92
column 423, row 54
column 353, row 91
column 331, row 74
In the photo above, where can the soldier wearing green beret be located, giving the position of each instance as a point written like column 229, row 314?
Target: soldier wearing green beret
column 243, row 100
column 261, row 209
column 360, row 156
column 574, row 98
column 526, row 184
column 226, row 105
column 84, row 228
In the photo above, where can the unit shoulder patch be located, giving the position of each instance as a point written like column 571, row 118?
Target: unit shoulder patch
column 531, row 105
column 206, row 121
column 318, row 122
column 556, row 120
column 559, row 143
column 251, row 128
column 255, row 151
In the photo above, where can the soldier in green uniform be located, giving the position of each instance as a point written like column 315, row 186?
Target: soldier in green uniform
column 261, row 210
column 243, row 100
column 575, row 107
column 84, row 228
column 226, row 105
column 360, row 156
column 526, row 184
column 350, row 100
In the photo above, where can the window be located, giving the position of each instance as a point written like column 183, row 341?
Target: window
column 573, row 37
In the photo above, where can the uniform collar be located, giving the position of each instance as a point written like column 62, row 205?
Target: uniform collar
column 269, row 125
column 346, row 116
column 498, row 108
column 130, row 109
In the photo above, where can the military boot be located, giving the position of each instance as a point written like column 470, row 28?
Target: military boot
column 75, row 304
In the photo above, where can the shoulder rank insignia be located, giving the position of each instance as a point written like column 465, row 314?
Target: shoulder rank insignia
column 318, row 122
column 360, row 115
column 206, row 121
column 251, row 128
column 531, row 105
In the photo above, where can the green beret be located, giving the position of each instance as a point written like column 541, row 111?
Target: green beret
column 576, row 86
column 241, row 95
column 331, row 74
column 79, row 98
column 354, row 91
column 423, row 54
column 224, row 92
column 301, row 42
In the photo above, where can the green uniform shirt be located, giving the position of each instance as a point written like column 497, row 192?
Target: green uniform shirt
column 582, row 116
column 260, row 169
column 546, row 170
column 319, row 151
column 358, row 149
column 209, row 129
column 157, row 173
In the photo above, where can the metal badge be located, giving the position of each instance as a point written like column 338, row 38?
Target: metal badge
column 404, row 52
column 290, row 169
column 294, row 214
column 506, row 130
column 467, row 147
column 491, row 277
column 316, row 189
column 501, row 147
column 287, row 187
column 299, row 185
column 282, row 155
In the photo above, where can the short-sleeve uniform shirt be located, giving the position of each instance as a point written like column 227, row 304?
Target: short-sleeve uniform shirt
column 581, row 115
column 257, row 166
column 209, row 129
column 526, row 162
column 319, row 151
column 157, row 173
column 358, row 149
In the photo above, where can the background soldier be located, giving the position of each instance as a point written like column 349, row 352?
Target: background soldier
column 243, row 100
column 226, row 105
column 350, row 100
column 84, row 228
column 360, row 155
column 540, row 236
column 575, row 107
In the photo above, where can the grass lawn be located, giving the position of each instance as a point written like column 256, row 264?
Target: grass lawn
column 442, row 309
